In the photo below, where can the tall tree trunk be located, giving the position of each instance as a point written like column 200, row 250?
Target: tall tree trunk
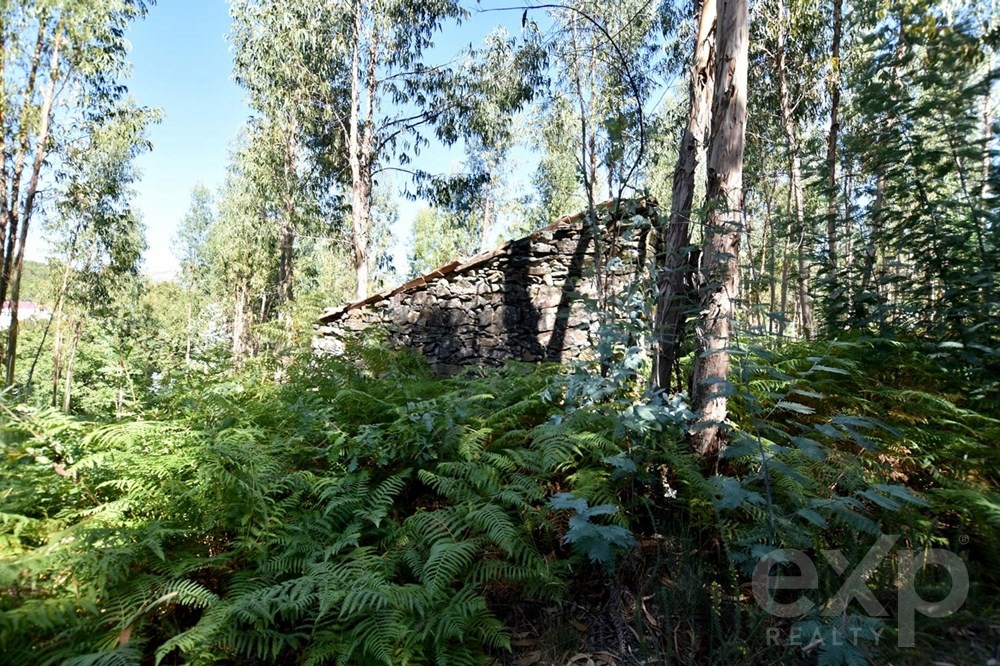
column 8, row 230
column 710, row 384
column 587, row 113
column 486, row 213
column 57, row 319
column 187, row 330
column 588, row 167
column 795, row 193
column 286, row 274
column 588, row 142
column 57, row 342
column 783, row 322
column 48, row 97
column 673, row 252
column 807, row 321
column 772, row 263
column 239, row 323
column 982, row 227
column 70, row 364
column 4, row 207
column 987, row 114
column 848, row 240
column 10, row 358
column 750, row 288
column 487, row 221
column 359, row 152
column 862, row 304
column 10, row 222
column 835, row 307
column 360, row 199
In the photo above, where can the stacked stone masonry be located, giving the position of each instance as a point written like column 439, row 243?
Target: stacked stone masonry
column 533, row 299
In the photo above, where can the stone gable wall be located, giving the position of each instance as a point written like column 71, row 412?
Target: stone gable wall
column 531, row 299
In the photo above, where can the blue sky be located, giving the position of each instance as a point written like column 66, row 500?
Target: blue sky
column 182, row 64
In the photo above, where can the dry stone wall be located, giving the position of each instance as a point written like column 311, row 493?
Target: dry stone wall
column 533, row 299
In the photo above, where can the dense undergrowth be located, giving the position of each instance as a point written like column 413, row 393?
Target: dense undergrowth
column 366, row 512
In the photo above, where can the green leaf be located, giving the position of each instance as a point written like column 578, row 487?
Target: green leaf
column 880, row 500
column 812, row 516
column 902, row 493
column 806, row 392
column 795, row 407
column 811, row 448
column 830, row 369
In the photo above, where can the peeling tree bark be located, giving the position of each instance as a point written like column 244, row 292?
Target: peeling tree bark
column 674, row 241
column 722, row 233
column 360, row 142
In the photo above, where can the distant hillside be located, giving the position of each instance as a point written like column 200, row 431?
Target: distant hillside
column 36, row 283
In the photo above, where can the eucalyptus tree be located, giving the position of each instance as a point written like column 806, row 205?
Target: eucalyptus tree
column 282, row 59
column 439, row 237
column 835, row 309
column 722, row 229
column 241, row 245
column 360, row 66
column 604, row 59
column 558, row 176
column 98, row 238
column 500, row 75
column 61, row 61
column 396, row 99
column 190, row 241
column 916, row 133
column 675, row 261
column 795, row 49
column 789, row 60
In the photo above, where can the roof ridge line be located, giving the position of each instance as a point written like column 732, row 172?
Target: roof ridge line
column 459, row 266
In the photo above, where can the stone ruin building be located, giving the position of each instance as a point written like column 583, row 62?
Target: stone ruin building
column 533, row 299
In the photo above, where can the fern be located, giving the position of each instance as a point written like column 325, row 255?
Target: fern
column 370, row 514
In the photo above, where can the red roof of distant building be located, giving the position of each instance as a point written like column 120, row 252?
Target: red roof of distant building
column 24, row 305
